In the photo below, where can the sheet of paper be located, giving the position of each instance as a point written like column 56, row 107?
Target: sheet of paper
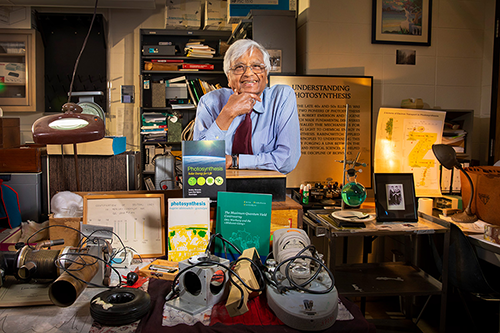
column 403, row 144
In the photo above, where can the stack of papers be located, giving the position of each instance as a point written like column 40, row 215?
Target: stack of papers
column 199, row 50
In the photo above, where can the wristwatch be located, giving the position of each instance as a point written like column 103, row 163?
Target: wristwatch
column 234, row 165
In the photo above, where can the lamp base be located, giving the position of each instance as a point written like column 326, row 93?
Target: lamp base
column 463, row 217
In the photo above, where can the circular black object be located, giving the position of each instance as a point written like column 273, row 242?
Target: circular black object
column 127, row 306
column 132, row 278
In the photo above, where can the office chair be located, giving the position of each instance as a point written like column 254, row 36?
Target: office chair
column 465, row 272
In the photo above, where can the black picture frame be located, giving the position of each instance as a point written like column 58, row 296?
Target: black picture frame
column 395, row 199
column 402, row 22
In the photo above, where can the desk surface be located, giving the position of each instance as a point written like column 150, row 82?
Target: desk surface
column 485, row 250
column 373, row 228
column 235, row 173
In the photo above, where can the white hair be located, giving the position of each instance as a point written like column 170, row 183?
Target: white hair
column 240, row 47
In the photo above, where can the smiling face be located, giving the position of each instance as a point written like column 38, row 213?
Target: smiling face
column 248, row 82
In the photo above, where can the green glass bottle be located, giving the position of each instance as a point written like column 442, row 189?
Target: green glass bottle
column 353, row 193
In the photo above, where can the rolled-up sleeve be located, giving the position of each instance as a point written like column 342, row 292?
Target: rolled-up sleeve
column 205, row 127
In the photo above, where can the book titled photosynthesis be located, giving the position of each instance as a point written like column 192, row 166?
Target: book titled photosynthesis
column 203, row 168
column 188, row 227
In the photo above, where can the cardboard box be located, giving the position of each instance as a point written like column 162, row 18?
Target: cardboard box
column 107, row 146
column 239, row 9
column 10, row 133
column 215, row 15
column 71, row 237
column 149, row 271
column 12, row 72
column 183, row 14
column 486, row 180
column 244, row 270
column 492, row 233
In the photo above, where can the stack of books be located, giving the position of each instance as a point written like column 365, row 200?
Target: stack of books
column 198, row 50
column 154, row 127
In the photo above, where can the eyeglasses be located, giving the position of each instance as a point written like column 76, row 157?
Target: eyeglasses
column 240, row 69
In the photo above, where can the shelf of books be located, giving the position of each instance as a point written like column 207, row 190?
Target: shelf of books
column 178, row 67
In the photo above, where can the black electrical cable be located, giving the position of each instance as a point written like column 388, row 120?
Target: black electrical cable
column 231, row 272
column 300, row 287
column 83, row 265
column 209, row 263
column 81, row 52
column 85, row 239
column 261, row 279
column 224, row 242
column 48, row 227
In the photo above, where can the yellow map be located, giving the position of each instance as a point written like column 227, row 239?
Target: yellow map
column 403, row 144
column 416, row 158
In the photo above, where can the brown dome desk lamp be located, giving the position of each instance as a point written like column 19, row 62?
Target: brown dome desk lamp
column 72, row 126
column 447, row 156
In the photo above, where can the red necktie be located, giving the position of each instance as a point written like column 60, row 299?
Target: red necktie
column 242, row 141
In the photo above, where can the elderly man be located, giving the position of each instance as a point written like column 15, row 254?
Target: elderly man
column 260, row 125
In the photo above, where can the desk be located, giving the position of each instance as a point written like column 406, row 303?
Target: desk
column 382, row 279
column 486, row 250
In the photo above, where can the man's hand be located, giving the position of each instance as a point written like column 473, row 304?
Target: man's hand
column 229, row 161
column 238, row 104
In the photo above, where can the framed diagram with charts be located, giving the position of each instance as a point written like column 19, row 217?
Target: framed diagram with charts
column 138, row 219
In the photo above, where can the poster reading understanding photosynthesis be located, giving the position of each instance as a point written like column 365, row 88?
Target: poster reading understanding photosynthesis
column 403, row 144
column 321, row 103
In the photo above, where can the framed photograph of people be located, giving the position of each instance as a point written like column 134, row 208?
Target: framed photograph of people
column 402, row 22
column 395, row 199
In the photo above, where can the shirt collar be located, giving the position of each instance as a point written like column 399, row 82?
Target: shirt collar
column 259, row 106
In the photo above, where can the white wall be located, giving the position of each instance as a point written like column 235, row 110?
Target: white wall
column 334, row 38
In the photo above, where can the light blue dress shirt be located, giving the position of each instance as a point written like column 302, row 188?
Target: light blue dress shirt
column 275, row 128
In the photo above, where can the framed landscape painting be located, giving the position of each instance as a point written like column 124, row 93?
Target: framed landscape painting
column 406, row 22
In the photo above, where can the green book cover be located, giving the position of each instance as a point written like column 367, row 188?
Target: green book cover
column 244, row 219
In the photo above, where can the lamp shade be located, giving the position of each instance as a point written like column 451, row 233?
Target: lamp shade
column 446, row 155
column 70, row 127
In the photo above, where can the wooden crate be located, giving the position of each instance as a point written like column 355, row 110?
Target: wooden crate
column 10, row 133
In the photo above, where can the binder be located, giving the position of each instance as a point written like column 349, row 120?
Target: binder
column 147, row 94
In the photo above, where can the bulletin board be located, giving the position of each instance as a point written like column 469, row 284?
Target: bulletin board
column 138, row 219
column 321, row 104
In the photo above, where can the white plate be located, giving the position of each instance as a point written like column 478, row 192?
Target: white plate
column 352, row 216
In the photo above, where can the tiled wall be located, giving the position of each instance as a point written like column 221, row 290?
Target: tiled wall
column 334, row 38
